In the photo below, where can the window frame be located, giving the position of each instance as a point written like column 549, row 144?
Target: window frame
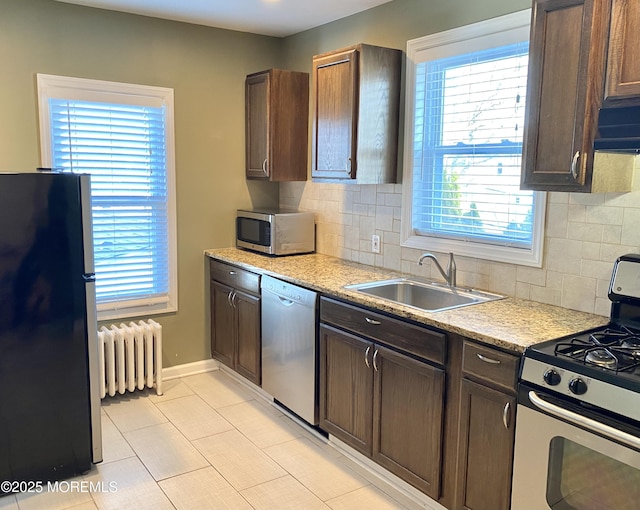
column 483, row 35
column 63, row 87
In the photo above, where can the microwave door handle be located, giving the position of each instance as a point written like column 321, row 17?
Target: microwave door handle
column 587, row 423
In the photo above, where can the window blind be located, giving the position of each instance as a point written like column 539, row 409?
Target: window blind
column 467, row 149
column 123, row 148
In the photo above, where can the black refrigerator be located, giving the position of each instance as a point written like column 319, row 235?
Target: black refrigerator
column 49, row 396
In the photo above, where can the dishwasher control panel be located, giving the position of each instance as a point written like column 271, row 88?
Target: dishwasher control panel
column 288, row 291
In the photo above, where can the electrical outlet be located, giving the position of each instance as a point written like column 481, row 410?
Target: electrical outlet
column 375, row 243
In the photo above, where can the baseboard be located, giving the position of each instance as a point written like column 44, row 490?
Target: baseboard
column 197, row 367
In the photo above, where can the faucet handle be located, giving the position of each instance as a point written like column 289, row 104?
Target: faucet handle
column 451, row 270
column 452, row 261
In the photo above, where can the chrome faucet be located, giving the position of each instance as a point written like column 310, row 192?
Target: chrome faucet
column 450, row 274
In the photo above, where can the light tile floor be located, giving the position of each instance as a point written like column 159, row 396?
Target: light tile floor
column 209, row 443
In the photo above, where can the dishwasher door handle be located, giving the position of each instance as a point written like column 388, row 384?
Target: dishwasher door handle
column 285, row 301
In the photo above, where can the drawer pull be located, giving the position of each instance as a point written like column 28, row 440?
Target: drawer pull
column 488, row 360
column 232, row 273
column 366, row 357
column 375, row 356
column 505, row 415
column 372, row 321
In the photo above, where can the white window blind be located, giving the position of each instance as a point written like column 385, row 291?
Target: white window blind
column 123, row 145
column 469, row 117
column 465, row 98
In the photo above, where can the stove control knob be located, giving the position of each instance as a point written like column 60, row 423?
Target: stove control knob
column 578, row 386
column 551, row 377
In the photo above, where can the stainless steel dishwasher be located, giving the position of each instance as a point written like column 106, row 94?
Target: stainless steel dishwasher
column 289, row 346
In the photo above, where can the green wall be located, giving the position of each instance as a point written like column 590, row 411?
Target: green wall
column 206, row 68
column 393, row 24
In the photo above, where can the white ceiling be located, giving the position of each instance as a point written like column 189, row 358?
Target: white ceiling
column 268, row 17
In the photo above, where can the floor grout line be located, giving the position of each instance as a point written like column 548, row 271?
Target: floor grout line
column 174, row 487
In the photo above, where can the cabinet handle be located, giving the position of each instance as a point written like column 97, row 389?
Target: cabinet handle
column 349, row 167
column 366, row 357
column 231, row 298
column 505, row 415
column 375, row 356
column 574, row 165
column 232, row 273
column 488, row 360
column 372, row 321
column 264, row 166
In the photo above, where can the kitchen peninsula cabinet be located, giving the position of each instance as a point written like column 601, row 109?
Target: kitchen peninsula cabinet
column 623, row 65
column 487, row 428
column 567, row 60
column 235, row 319
column 377, row 396
column 356, row 114
column 277, row 113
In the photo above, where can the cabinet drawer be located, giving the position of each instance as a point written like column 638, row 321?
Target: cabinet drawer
column 490, row 365
column 426, row 343
column 235, row 277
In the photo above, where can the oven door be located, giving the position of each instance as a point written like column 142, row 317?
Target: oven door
column 567, row 459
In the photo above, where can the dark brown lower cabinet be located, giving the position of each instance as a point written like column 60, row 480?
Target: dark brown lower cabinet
column 385, row 404
column 346, row 388
column 408, row 415
column 223, row 324
column 486, row 429
column 486, row 447
column 248, row 360
column 235, row 320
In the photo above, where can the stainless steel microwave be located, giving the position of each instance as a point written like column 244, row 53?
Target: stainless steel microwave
column 275, row 232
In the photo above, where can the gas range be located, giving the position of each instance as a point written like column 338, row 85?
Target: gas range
column 577, row 437
column 600, row 367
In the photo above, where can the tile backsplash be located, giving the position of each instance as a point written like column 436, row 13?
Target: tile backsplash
column 584, row 233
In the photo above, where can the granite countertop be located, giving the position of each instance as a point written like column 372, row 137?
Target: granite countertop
column 509, row 323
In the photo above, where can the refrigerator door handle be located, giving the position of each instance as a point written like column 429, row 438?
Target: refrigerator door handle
column 94, row 372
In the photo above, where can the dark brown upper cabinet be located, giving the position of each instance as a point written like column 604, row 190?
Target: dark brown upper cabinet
column 356, row 104
column 623, row 64
column 580, row 60
column 277, row 120
column 567, row 61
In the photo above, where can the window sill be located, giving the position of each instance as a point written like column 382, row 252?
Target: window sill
column 510, row 255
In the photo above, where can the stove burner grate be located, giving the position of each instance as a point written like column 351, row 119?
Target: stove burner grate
column 611, row 349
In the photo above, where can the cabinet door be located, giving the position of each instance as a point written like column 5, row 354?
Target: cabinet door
column 257, row 88
column 223, row 324
column 346, row 388
column 408, row 418
column 623, row 64
column 248, row 354
column 334, row 116
column 487, row 419
column 565, row 89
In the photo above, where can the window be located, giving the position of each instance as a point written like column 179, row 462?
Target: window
column 122, row 135
column 463, row 152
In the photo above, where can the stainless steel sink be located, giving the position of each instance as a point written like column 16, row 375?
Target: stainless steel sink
column 424, row 295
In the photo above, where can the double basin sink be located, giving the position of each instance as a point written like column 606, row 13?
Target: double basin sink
column 423, row 295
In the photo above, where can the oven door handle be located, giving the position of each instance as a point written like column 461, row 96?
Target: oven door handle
column 587, row 423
